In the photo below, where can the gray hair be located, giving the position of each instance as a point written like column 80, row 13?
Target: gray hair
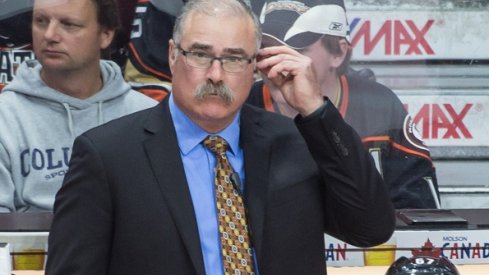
column 227, row 7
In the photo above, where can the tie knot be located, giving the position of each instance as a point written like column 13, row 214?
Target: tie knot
column 216, row 144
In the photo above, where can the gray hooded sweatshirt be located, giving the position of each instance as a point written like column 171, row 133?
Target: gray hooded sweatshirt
column 38, row 126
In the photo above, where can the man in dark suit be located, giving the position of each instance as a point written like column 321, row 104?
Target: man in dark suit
column 139, row 196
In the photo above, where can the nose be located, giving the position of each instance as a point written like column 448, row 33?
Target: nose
column 51, row 32
column 215, row 71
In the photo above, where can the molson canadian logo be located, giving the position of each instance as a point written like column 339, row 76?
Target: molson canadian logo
column 454, row 248
column 336, row 252
column 462, row 248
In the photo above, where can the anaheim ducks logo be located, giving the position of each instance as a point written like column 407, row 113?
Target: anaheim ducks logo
column 296, row 6
column 412, row 134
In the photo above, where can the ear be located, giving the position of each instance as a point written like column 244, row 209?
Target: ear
column 172, row 54
column 106, row 37
column 338, row 59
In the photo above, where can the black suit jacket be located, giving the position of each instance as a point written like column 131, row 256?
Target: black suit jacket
column 125, row 207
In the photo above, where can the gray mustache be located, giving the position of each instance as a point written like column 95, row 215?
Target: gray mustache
column 210, row 89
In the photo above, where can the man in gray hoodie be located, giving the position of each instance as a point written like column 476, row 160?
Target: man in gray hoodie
column 53, row 99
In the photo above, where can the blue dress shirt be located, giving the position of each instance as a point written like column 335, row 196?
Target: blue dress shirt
column 199, row 164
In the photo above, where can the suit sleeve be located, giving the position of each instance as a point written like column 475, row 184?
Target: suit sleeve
column 357, row 205
column 79, row 239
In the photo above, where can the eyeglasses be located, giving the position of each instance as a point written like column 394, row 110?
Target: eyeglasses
column 203, row 60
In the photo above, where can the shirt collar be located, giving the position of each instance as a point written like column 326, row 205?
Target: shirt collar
column 190, row 135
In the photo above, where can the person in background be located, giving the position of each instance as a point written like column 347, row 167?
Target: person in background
column 67, row 91
column 205, row 184
column 319, row 30
column 16, row 36
column 146, row 69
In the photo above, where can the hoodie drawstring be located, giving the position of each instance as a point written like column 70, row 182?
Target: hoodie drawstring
column 100, row 114
column 70, row 119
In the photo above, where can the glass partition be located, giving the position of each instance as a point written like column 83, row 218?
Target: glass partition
column 435, row 56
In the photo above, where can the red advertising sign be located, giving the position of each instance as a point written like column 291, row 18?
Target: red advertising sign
column 418, row 35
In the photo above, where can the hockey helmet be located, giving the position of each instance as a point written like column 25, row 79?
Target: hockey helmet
column 422, row 265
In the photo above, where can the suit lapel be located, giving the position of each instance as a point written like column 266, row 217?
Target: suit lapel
column 256, row 149
column 164, row 156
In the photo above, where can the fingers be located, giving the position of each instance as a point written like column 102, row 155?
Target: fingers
column 281, row 62
column 268, row 51
column 271, row 56
column 293, row 74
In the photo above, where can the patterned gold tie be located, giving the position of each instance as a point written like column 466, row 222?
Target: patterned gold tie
column 233, row 229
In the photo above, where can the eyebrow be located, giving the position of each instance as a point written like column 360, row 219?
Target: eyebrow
column 206, row 47
column 236, row 51
column 199, row 46
column 61, row 18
